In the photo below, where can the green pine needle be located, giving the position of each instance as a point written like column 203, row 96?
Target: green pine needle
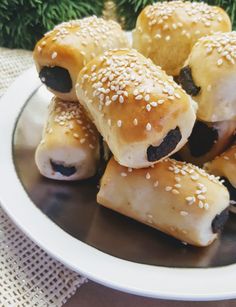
column 130, row 9
column 23, row 22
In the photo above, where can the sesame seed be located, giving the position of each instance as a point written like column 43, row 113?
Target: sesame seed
column 157, row 36
column 206, row 206
column 130, row 169
column 121, row 99
column 156, row 183
column 76, row 135
column 123, row 174
column 160, row 101
column 153, row 104
column 91, row 146
column 201, row 197
column 190, row 200
column 200, row 204
column 135, row 122
column 139, row 97
column 119, row 123
column 168, row 188
column 93, row 68
column 54, row 55
column 148, row 176
column 195, row 177
column 114, row 97
column 148, row 127
column 183, row 213
column 168, row 38
column 174, row 191
column 82, row 141
column 148, row 107
column 177, row 185
column 219, row 62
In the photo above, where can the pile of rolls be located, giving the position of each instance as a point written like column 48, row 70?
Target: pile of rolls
column 171, row 93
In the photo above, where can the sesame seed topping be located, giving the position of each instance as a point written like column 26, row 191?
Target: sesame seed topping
column 153, row 104
column 148, row 127
column 148, row 107
column 135, row 122
column 177, row 185
column 219, row 62
column 168, row 188
column 156, row 183
column 76, row 135
column 201, row 197
column 190, row 200
column 54, row 55
column 148, row 176
column 174, row 191
column 122, row 73
column 206, row 206
column 123, row 174
column 200, row 204
column 119, row 123
column 183, row 213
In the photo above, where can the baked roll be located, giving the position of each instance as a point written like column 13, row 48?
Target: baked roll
column 69, row 149
column 209, row 76
column 207, row 141
column 142, row 114
column 224, row 165
column 166, row 31
column 62, row 52
column 177, row 198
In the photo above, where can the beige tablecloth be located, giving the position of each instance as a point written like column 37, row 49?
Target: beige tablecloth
column 28, row 275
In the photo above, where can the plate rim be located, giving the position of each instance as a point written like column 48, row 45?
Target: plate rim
column 200, row 284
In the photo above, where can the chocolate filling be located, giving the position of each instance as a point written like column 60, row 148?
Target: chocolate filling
column 219, row 221
column 57, row 78
column 64, row 170
column 202, row 139
column 187, row 83
column 155, row 153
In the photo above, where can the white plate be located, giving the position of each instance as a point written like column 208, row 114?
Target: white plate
column 146, row 280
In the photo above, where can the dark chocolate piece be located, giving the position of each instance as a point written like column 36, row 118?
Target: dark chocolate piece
column 187, row 83
column 202, row 139
column 64, row 170
column 57, row 78
column 219, row 221
column 171, row 140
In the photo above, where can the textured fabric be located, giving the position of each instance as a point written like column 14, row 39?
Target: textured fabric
column 12, row 64
column 28, row 275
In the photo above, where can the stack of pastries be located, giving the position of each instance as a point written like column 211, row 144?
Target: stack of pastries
column 172, row 93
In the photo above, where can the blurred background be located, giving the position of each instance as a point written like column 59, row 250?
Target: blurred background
column 23, row 22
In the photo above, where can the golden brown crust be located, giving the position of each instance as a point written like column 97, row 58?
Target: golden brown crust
column 215, row 76
column 224, row 165
column 132, row 101
column 72, row 44
column 175, row 197
column 166, row 32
